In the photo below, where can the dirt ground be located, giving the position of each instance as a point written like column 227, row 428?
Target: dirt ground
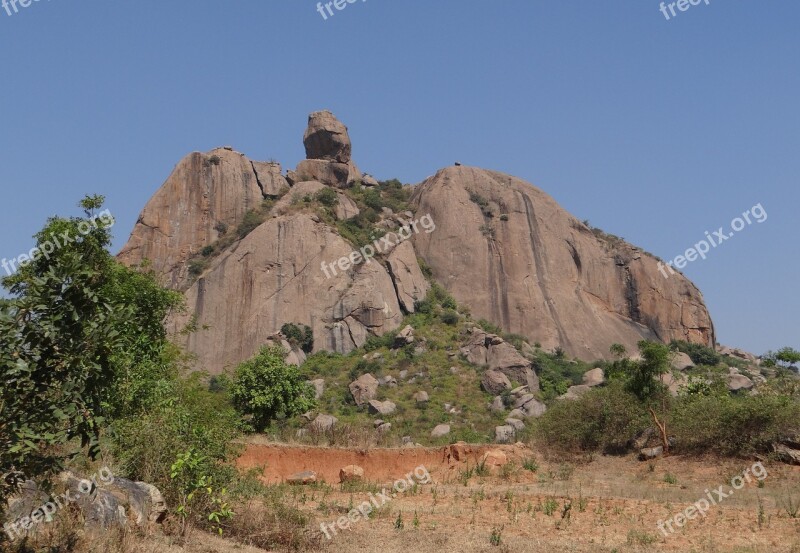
column 606, row 504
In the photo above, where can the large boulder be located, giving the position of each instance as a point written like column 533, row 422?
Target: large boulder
column 498, row 355
column 440, row 431
column 105, row 501
column 504, row 434
column 681, row 361
column 351, row 473
column 331, row 173
column 536, row 270
column 327, row 138
column 324, row 423
column 595, row 377
column 364, row 389
column 384, row 408
column 739, row 382
column 495, row 382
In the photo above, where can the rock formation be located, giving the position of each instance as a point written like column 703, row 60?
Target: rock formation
column 535, row 270
column 501, row 247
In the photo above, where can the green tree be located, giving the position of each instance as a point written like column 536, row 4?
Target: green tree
column 59, row 335
column 788, row 356
column 644, row 382
column 267, row 388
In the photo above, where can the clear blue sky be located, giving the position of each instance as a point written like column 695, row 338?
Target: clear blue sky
column 654, row 130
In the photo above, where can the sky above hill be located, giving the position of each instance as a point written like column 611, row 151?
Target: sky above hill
column 657, row 130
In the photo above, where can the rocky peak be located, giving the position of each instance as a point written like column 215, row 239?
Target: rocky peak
column 328, row 153
column 326, row 138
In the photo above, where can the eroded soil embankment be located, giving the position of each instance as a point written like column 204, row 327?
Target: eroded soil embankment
column 380, row 465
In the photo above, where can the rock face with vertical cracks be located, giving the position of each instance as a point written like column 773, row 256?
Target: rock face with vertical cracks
column 205, row 195
column 519, row 260
column 274, row 276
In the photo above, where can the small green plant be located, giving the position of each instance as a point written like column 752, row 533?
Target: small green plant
column 415, row 522
column 790, row 504
column 530, row 464
column 398, row 522
column 549, row 506
column 641, row 538
column 481, row 469
column 496, row 538
column 670, row 479
column 327, row 197
column 199, row 496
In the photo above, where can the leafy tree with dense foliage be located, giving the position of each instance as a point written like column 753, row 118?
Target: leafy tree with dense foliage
column 266, row 388
column 785, row 357
column 59, row 334
column 643, row 381
column 82, row 337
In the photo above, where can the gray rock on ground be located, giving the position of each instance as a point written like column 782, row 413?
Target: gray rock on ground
column 364, row 389
column 440, row 431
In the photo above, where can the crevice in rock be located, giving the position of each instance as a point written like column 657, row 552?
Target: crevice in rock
column 542, row 275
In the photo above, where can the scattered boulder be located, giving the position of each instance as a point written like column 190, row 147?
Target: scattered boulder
column 595, row 377
column 351, row 473
column 319, row 387
column 739, row 382
column 324, row 422
column 517, row 414
column 739, row 353
column 403, row 374
column 681, row 361
column 111, row 501
column 497, row 405
column 454, row 370
column 494, row 458
column 787, row 454
column 651, row 453
column 459, row 451
column 674, row 383
column 385, row 427
column 369, row 181
column 534, row 408
column 389, row 381
column 640, row 440
column 302, row 478
column 404, row 337
column 575, row 392
column 491, row 350
column 383, row 408
column 517, row 424
column 364, row 389
column 495, row 382
column 421, row 397
column 440, row 431
column 346, row 208
column 504, row 434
